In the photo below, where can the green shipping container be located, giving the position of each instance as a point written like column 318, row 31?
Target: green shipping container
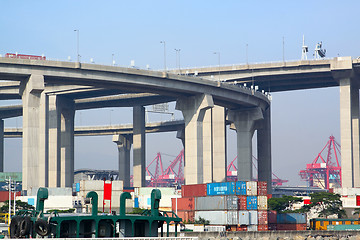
column 343, row 227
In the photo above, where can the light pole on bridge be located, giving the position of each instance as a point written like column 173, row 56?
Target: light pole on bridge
column 163, row 42
column 218, row 53
column 78, row 55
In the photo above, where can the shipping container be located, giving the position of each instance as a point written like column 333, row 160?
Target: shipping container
column 252, row 228
column 214, row 228
column 196, row 190
column 342, row 227
column 242, row 203
column 232, row 202
column 272, row 216
column 232, row 218
column 262, row 217
column 289, row 226
column 262, row 202
column 210, row 203
column 222, row 188
column 215, row 217
column 293, row 218
column 272, row 226
column 4, row 195
column 241, row 228
column 240, row 188
column 263, row 227
column 251, row 188
column 187, row 216
column 253, row 217
column 183, row 204
column 261, row 188
column 251, row 202
column 244, row 217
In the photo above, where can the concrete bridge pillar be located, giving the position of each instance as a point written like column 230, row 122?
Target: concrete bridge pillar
column 139, row 146
column 349, row 121
column 264, row 150
column 244, row 122
column 1, row 145
column 35, row 136
column 124, row 146
column 193, row 109
column 61, row 141
column 214, row 142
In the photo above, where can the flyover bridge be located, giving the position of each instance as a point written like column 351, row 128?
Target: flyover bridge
column 52, row 91
column 286, row 76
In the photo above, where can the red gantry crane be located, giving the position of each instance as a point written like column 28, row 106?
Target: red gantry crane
column 323, row 172
column 232, row 173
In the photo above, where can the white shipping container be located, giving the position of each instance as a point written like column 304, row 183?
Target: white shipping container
column 252, row 228
column 210, row 203
column 215, row 217
column 244, row 217
column 232, row 202
column 251, row 188
column 253, row 217
column 347, row 191
column 164, row 191
column 349, row 201
column 212, row 228
column 262, row 203
column 232, row 218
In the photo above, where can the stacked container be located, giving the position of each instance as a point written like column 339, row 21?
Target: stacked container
column 241, row 205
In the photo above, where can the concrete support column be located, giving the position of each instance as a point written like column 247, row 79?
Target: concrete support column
column 349, row 126
column 1, row 145
column 264, row 150
column 193, row 110
column 342, row 70
column 219, row 144
column 139, row 146
column 35, row 167
column 67, row 142
column 54, row 142
column 61, row 141
column 244, row 121
column 207, row 147
column 124, row 146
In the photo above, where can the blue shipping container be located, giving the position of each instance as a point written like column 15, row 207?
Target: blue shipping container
column 295, row 218
column 240, row 188
column 224, row 188
column 251, row 202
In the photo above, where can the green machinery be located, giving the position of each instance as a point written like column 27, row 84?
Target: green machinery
column 36, row 223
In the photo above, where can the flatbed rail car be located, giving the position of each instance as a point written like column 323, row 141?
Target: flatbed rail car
column 36, row 223
column 322, row 223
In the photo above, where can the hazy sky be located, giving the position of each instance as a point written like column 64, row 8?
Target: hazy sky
column 302, row 121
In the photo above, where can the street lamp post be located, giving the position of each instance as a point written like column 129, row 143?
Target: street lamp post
column 78, row 55
column 113, row 61
column 178, row 59
column 163, row 42
column 218, row 53
column 9, row 186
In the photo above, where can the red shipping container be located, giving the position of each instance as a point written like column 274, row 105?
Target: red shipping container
column 298, row 226
column 357, row 200
column 307, row 201
column 4, row 195
column 183, row 204
column 241, row 228
column 272, row 216
column 196, row 190
column 186, row 216
column 242, row 203
column 263, row 227
column 262, row 188
column 272, row 226
column 262, row 217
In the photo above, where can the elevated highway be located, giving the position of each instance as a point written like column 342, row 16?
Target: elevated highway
column 52, row 91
